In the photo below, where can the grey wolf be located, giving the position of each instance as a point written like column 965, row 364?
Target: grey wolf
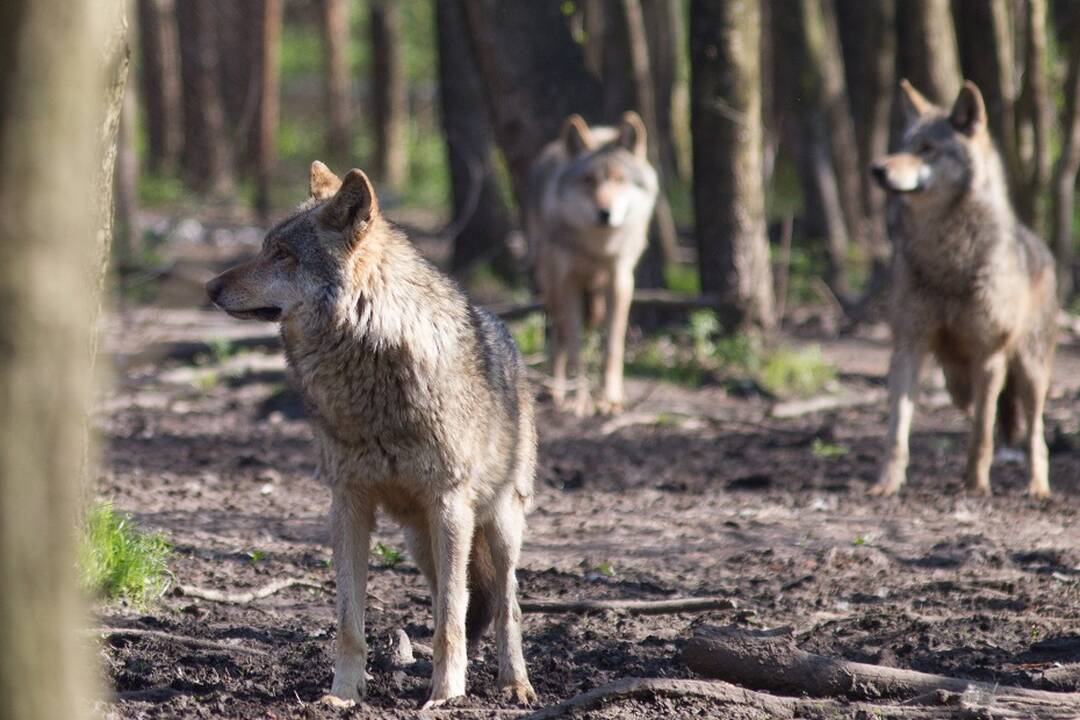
column 591, row 195
column 420, row 407
column 971, row 285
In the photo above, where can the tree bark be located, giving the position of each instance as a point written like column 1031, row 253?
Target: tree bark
column 269, row 74
column 533, row 74
column 664, row 30
column 481, row 218
column 928, row 54
column 206, row 159
column 1034, row 117
column 733, row 254
column 161, row 86
column 1067, row 167
column 390, row 101
column 334, row 25
column 54, row 58
column 126, row 242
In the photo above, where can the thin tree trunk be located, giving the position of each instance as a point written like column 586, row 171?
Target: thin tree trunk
column 335, row 33
column 54, row 58
column 161, row 86
column 126, row 243
column 480, row 217
column 663, row 27
column 269, row 101
column 1034, row 117
column 985, row 35
column 726, row 124
column 1066, row 169
column 206, row 159
column 928, row 54
column 390, row 101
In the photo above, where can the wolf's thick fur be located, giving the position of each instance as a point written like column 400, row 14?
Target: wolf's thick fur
column 591, row 194
column 972, row 285
column 420, row 406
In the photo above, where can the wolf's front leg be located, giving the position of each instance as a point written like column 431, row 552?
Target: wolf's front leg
column 904, row 370
column 352, row 519
column 452, row 527
column 620, row 294
column 989, row 380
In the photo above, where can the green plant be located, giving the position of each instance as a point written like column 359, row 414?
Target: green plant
column 221, row 349
column 118, row 560
column 682, row 279
column 859, row 540
column 606, row 569
column 823, row 449
column 257, row 555
column 387, row 555
column 529, row 334
column 795, row 372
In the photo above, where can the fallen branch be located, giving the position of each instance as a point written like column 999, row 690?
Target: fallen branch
column 109, row 633
column 822, row 403
column 242, row 598
column 769, row 660
column 737, row 701
column 632, row 607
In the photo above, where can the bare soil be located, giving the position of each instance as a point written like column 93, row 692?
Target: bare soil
column 692, row 492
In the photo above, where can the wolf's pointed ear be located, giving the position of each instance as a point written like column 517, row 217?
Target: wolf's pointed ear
column 632, row 133
column 913, row 102
column 575, row 134
column 354, row 203
column 322, row 182
column 969, row 111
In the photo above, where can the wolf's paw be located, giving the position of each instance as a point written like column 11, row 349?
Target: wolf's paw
column 978, row 487
column 1039, row 492
column 438, row 702
column 347, row 690
column 518, row 693
column 583, row 405
column 609, row 407
column 334, row 701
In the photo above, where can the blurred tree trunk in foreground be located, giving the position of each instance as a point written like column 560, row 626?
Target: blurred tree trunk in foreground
column 928, row 54
column 725, row 37
column 161, row 86
column 334, row 25
column 206, row 160
column 481, row 221
column 269, row 75
column 53, row 58
column 1034, row 118
column 390, row 101
column 1063, row 197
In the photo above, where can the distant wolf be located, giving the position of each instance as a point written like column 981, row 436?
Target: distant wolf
column 971, row 285
column 420, row 406
column 591, row 195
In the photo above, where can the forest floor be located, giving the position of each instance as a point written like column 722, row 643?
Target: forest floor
column 694, row 491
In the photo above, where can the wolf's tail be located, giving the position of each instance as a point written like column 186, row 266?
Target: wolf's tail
column 1011, row 424
column 481, row 589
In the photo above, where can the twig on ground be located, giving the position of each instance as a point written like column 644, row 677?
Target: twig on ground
column 194, row 642
column 632, row 607
column 822, row 403
column 242, row 598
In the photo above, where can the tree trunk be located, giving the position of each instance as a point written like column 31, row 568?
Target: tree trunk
column 161, row 87
column 269, row 74
column 335, row 33
column 928, row 55
column 206, row 160
column 733, row 254
column 54, row 56
column 481, row 220
column 126, row 242
column 1067, row 167
column 985, row 35
column 1034, row 117
column 664, row 30
column 390, row 101
column 533, row 74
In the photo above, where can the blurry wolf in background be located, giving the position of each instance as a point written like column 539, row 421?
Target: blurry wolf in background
column 972, row 285
column 591, row 195
column 419, row 404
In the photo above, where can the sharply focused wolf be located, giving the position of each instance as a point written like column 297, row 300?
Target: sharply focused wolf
column 420, row 406
column 972, row 285
column 591, row 195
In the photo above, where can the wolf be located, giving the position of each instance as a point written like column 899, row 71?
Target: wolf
column 972, row 286
column 420, row 406
column 591, row 195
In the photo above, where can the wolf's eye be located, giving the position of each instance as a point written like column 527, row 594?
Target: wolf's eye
column 925, row 148
column 281, row 253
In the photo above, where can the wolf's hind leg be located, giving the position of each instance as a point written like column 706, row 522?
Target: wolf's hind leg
column 1034, row 380
column 904, row 370
column 452, row 529
column 989, row 379
column 351, row 523
column 503, row 533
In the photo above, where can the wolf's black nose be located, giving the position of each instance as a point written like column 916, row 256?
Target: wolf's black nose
column 878, row 171
column 604, row 217
column 213, row 288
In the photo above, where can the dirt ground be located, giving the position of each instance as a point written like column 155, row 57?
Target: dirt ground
column 692, row 492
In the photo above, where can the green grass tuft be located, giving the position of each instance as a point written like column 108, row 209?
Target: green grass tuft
column 387, row 555
column 120, row 561
column 788, row 372
column 529, row 334
column 823, row 449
